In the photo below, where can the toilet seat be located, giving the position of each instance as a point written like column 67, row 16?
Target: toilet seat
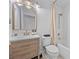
column 52, row 49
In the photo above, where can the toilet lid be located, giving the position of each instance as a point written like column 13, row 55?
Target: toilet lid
column 52, row 48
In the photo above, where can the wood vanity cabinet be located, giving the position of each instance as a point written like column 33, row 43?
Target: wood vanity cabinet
column 24, row 49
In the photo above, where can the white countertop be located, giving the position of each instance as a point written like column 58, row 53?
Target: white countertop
column 25, row 37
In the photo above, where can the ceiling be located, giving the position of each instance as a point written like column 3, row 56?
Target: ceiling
column 44, row 3
column 47, row 3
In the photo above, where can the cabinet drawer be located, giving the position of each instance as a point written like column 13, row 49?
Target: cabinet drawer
column 24, row 49
column 26, row 56
column 21, row 44
column 21, row 51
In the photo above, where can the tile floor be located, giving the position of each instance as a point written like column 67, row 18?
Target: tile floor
column 45, row 57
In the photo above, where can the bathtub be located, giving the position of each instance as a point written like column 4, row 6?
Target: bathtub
column 64, row 51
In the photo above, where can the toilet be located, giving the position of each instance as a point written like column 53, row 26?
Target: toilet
column 51, row 50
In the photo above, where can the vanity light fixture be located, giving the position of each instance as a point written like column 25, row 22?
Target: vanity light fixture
column 28, row 4
column 20, row 4
column 18, row 1
column 29, row 7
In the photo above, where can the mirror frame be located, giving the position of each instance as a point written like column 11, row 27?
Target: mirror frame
column 13, row 20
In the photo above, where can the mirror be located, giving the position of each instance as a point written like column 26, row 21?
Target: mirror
column 23, row 18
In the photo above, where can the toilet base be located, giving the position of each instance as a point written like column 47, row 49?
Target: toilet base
column 52, row 57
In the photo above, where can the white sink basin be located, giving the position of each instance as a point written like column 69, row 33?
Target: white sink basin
column 15, row 38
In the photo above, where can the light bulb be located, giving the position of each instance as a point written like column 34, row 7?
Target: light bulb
column 28, row 3
column 20, row 4
column 29, row 7
column 18, row 1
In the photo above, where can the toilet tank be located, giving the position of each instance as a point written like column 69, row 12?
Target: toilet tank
column 46, row 41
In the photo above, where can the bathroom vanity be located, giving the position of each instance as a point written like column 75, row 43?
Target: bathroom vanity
column 23, row 44
column 24, row 48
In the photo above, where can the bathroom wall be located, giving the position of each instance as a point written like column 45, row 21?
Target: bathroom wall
column 67, row 26
column 64, row 37
column 59, row 27
column 43, row 21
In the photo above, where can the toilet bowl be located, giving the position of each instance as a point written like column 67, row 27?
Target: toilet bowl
column 52, row 52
